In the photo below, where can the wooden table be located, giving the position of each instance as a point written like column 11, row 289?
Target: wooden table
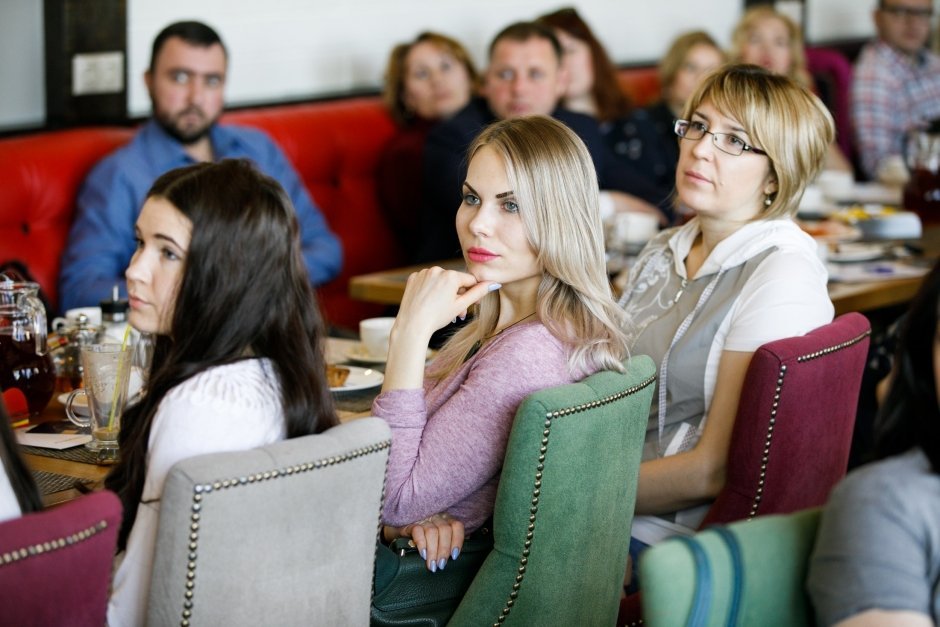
column 93, row 475
column 387, row 287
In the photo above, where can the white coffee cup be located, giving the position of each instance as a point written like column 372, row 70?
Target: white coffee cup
column 374, row 333
column 71, row 317
column 835, row 184
column 632, row 227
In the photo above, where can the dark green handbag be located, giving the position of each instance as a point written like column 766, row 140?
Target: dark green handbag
column 408, row 594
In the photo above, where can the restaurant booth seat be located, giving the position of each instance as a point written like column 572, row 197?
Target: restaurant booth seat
column 793, row 431
column 564, row 507
column 746, row 573
column 334, row 145
column 279, row 535
column 55, row 565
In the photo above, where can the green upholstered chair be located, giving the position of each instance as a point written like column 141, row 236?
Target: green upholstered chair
column 279, row 535
column 561, row 525
column 746, row 573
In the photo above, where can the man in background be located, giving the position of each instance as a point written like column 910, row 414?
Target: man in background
column 896, row 86
column 185, row 81
column 525, row 77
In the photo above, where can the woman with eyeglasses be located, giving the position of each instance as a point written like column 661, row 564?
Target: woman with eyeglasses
column 704, row 296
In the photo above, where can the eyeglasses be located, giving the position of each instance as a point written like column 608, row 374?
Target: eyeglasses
column 725, row 142
column 902, row 12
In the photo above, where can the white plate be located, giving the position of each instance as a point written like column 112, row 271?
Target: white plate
column 79, row 405
column 848, row 253
column 358, row 352
column 360, row 379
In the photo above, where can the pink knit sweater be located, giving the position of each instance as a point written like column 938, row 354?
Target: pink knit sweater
column 449, row 439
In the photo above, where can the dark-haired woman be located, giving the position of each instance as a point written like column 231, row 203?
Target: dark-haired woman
column 427, row 80
column 218, row 277
column 18, row 493
column 877, row 554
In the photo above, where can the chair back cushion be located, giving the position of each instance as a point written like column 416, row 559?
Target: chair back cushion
column 280, row 535
column 793, row 431
column 565, row 503
column 832, row 73
column 55, row 565
column 748, row 573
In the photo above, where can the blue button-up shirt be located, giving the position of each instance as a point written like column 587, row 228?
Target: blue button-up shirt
column 101, row 241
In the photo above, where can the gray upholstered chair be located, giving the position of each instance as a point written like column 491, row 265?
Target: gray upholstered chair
column 564, row 508
column 280, row 535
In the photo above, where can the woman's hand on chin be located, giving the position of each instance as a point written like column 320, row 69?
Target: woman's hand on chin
column 438, row 538
column 434, row 297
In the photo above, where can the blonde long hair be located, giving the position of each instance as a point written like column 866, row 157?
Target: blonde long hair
column 553, row 177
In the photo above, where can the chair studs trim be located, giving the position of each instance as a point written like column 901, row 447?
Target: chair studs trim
column 537, row 483
column 833, row 349
column 765, row 454
column 32, row 550
column 201, row 491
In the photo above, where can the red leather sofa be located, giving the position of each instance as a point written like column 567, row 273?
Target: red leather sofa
column 333, row 145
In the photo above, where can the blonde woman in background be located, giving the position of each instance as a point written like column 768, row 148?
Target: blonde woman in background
column 646, row 137
column 530, row 231
column 427, row 80
column 770, row 39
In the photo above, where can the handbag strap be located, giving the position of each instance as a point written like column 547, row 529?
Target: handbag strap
column 702, row 594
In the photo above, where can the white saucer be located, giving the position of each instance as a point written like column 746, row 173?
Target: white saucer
column 358, row 352
column 360, row 379
column 856, row 252
column 79, row 405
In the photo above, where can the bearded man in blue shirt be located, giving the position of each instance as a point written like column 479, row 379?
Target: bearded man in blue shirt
column 186, row 80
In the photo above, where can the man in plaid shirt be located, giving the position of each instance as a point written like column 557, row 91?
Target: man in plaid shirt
column 897, row 82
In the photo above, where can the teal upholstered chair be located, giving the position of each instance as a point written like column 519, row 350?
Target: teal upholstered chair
column 279, row 535
column 561, row 525
column 746, row 573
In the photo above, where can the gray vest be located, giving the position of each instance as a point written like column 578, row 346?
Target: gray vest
column 664, row 310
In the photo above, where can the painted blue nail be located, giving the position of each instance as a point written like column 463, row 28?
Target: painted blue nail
column 454, row 553
column 441, row 563
column 493, row 287
column 433, row 567
column 424, row 554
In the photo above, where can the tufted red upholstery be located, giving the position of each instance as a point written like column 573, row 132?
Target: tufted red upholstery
column 334, row 146
column 39, row 179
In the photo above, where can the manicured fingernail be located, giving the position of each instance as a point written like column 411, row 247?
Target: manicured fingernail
column 493, row 287
column 454, row 321
column 463, row 317
column 441, row 563
column 433, row 567
column 424, row 554
column 454, row 553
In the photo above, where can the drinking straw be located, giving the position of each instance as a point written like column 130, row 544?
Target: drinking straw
column 117, row 383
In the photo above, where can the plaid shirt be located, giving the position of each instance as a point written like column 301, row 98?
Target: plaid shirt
column 891, row 94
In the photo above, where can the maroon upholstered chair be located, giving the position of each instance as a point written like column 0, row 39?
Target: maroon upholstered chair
column 793, row 430
column 832, row 73
column 55, row 565
column 792, row 435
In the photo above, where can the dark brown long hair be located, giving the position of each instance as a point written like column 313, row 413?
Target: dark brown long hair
column 244, row 292
column 21, row 479
column 909, row 416
column 610, row 100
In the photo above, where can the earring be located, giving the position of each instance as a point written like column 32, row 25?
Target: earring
column 768, row 201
